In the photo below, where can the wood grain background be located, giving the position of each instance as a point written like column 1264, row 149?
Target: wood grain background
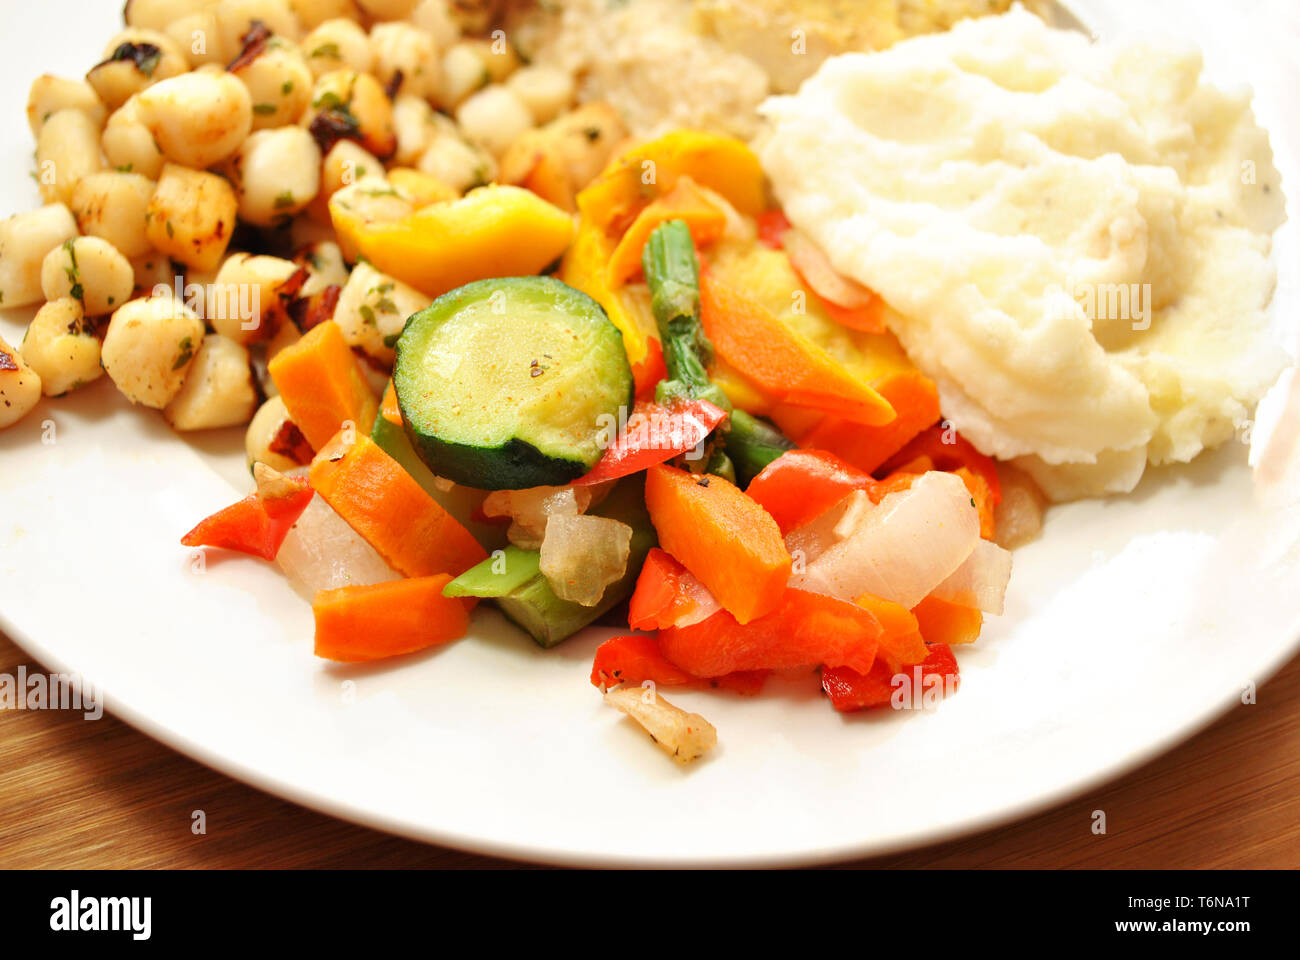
column 100, row 794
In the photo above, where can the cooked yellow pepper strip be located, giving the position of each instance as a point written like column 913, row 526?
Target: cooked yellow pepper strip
column 495, row 231
column 586, row 268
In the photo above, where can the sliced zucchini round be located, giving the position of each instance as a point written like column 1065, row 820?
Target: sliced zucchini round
column 505, row 383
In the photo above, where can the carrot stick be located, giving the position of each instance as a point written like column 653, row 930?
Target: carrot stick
column 387, row 619
column 387, row 506
column 782, row 362
column 322, row 385
column 731, row 544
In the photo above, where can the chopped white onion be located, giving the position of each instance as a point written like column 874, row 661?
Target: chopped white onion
column 322, row 552
column 901, row 549
column 981, row 580
column 703, row 603
column 529, row 509
column 581, row 556
column 814, row 538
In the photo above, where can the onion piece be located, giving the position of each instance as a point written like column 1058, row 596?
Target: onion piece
column 816, row 270
column 814, row 538
column 683, row 736
column 902, row 549
column 581, row 555
column 981, row 580
column 529, row 509
column 322, row 552
column 699, row 604
column 1018, row 517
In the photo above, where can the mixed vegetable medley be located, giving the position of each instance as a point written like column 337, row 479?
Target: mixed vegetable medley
column 488, row 348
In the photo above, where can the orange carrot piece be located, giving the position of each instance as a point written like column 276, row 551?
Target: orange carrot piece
column 385, row 504
column 869, row 318
column 684, row 202
column 780, row 361
column 731, row 544
column 942, row 621
column 901, row 643
column 388, row 407
column 322, row 385
column 387, row 619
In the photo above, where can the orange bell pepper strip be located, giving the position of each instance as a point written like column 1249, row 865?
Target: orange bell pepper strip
column 950, row 451
column 722, row 536
column 805, row 629
column 800, row 485
column 389, row 508
column 782, row 362
column 942, row 621
column 851, row 690
column 322, row 385
column 666, row 592
column 912, row 394
column 387, row 619
column 981, row 493
column 654, row 434
column 901, row 641
column 256, row 525
column 722, row 164
column 632, row 660
column 684, row 202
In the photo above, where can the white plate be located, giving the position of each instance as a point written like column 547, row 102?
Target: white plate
column 1131, row 623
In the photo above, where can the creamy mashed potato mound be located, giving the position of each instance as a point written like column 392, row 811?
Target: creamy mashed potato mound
column 1075, row 237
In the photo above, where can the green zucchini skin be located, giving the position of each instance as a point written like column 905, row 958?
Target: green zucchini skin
column 504, row 383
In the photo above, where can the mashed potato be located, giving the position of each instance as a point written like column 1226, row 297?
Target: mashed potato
column 1075, row 237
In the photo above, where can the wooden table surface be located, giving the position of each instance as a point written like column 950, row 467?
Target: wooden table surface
column 100, row 794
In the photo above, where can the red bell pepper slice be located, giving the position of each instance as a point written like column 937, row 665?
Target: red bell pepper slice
column 654, row 434
column 254, row 525
column 666, row 593
column 949, row 451
column 800, row 485
column 850, row 690
column 632, row 660
column 805, row 630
